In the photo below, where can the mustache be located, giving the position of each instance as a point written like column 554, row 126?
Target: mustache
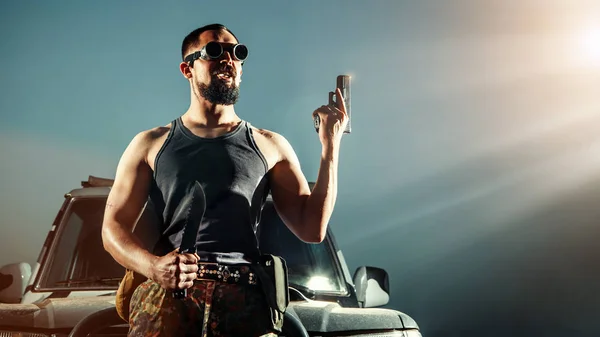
column 224, row 69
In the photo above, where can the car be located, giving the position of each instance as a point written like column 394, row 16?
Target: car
column 71, row 289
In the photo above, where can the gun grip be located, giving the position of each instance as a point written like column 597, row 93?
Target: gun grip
column 317, row 122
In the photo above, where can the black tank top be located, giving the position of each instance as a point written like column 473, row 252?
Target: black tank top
column 233, row 175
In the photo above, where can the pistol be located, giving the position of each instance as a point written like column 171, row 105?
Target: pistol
column 342, row 83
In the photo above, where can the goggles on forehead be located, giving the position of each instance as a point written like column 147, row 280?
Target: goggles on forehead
column 213, row 50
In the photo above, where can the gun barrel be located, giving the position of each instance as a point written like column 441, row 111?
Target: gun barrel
column 343, row 83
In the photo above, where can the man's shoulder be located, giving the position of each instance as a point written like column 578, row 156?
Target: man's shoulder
column 276, row 142
column 272, row 136
column 150, row 136
column 158, row 132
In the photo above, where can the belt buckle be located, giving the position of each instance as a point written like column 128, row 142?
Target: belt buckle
column 224, row 273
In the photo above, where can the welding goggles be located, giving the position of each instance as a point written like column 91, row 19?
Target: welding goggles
column 213, row 50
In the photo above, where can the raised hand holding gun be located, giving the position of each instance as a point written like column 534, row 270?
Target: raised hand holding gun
column 332, row 121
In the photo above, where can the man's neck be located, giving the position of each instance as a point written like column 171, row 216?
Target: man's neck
column 208, row 115
column 210, row 120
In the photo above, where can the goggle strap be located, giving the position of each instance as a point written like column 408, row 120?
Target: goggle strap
column 192, row 57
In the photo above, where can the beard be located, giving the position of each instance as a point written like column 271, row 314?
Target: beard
column 219, row 92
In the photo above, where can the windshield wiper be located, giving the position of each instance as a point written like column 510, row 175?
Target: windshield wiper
column 94, row 280
column 304, row 290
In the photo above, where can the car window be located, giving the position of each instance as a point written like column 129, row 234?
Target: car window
column 309, row 265
column 79, row 255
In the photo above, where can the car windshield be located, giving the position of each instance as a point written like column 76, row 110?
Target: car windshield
column 309, row 265
column 78, row 259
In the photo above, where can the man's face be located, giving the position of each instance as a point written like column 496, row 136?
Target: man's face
column 217, row 80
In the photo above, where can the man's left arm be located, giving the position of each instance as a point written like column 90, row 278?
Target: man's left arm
column 307, row 212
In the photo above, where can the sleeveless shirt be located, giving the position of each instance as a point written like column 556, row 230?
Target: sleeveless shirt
column 233, row 174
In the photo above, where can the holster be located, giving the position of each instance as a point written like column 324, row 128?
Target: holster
column 273, row 277
column 128, row 284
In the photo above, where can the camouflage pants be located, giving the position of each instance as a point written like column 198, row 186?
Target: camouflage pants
column 211, row 309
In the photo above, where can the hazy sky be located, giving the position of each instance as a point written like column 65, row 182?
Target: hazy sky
column 471, row 174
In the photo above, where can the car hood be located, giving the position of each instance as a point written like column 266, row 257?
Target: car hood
column 53, row 313
column 316, row 316
column 320, row 316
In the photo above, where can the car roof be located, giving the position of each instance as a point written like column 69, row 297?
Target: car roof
column 89, row 192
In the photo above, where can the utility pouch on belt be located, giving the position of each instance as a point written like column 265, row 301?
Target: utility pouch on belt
column 128, row 284
column 273, row 276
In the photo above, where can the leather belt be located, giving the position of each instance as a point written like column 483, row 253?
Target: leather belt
column 240, row 274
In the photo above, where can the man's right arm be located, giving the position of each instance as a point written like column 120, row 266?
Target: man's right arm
column 124, row 205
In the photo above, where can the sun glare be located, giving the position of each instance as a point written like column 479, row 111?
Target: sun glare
column 590, row 43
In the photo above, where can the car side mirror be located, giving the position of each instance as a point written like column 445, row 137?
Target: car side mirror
column 13, row 281
column 372, row 286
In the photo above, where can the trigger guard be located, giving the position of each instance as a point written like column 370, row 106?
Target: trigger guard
column 331, row 100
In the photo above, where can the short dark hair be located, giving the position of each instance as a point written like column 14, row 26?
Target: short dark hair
column 192, row 38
